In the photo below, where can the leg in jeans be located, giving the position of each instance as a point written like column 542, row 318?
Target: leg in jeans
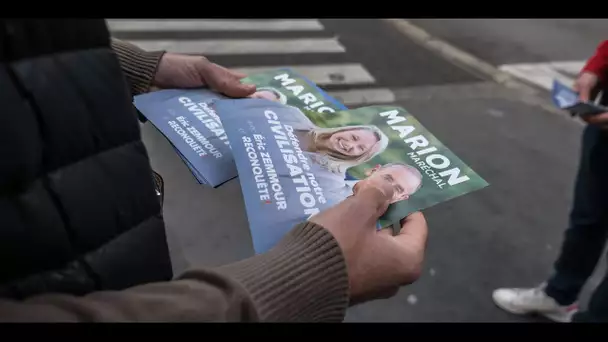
column 585, row 238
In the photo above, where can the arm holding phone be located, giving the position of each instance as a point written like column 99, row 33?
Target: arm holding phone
column 592, row 80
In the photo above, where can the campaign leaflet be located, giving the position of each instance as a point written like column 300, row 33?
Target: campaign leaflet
column 566, row 98
column 186, row 119
column 294, row 163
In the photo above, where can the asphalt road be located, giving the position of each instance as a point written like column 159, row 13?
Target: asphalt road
column 508, row 41
column 506, row 234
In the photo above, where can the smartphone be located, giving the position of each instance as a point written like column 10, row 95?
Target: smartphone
column 586, row 108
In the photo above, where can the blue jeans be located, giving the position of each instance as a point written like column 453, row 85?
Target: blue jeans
column 586, row 236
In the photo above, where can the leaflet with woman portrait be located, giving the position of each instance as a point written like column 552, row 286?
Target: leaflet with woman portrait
column 186, row 119
column 293, row 163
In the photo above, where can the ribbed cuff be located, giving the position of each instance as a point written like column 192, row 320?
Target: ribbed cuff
column 303, row 278
column 138, row 65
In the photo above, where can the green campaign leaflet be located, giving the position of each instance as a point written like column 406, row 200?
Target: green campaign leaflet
column 294, row 163
column 387, row 143
column 287, row 87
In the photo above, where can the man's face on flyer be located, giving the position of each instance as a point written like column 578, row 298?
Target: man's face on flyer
column 352, row 143
column 403, row 180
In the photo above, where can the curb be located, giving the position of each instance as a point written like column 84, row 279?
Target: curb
column 471, row 63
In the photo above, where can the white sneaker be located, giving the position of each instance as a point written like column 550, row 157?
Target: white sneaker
column 534, row 300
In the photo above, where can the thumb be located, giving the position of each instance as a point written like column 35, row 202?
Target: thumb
column 412, row 246
column 378, row 194
column 584, row 93
column 414, row 231
column 598, row 119
column 238, row 74
column 235, row 88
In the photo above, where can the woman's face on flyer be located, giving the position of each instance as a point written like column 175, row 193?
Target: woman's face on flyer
column 352, row 143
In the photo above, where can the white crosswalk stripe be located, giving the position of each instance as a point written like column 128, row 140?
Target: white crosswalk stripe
column 543, row 74
column 244, row 46
column 341, row 76
column 116, row 25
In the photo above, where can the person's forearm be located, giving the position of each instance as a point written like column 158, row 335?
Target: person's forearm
column 138, row 65
column 302, row 279
column 598, row 63
column 201, row 296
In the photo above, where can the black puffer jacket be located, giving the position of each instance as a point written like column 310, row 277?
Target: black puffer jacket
column 78, row 210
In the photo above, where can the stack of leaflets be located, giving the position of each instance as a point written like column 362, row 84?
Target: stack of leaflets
column 187, row 120
column 297, row 151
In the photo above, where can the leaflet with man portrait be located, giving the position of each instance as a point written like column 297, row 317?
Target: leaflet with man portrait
column 294, row 163
column 186, row 119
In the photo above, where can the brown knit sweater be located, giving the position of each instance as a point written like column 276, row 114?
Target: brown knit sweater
column 302, row 279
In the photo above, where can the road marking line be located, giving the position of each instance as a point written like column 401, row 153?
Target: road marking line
column 364, row 96
column 468, row 61
column 571, row 69
column 543, row 74
column 244, row 46
column 143, row 25
column 323, row 74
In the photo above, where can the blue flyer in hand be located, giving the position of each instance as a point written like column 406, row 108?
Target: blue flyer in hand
column 563, row 96
column 566, row 98
column 185, row 118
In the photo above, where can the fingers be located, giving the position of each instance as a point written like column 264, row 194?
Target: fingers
column 225, row 81
column 355, row 216
column 583, row 88
column 585, row 85
column 234, row 88
column 599, row 119
column 384, row 188
column 584, row 93
column 374, row 195
column 414, row 231
column 238, row 74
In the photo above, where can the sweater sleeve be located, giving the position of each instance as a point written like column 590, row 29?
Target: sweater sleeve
column 598, row 63
column 138, row 65
column 302, row 279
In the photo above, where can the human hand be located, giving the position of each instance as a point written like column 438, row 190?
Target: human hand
column 185, row 71
column 587, row 86
column 377, row 262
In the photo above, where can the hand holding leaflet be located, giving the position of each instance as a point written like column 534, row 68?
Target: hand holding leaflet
column 566, row 98
column 296, row 163
column 377, row 262
column 185, row 117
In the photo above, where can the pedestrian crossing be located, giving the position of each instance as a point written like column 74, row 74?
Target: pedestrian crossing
column 543, row 74
column 270, row 43
column 244, row 46
column 215, row 25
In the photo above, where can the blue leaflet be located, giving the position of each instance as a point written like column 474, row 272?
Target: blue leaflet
column 566, row 98
column 563, row 96
column 279, row 187
column 183, row 116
